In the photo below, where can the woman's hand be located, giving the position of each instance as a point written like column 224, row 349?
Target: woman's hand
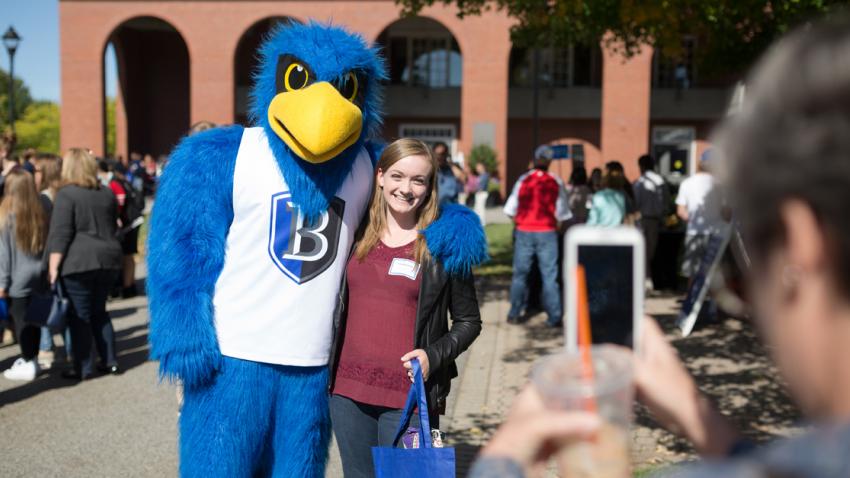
column 423, row 363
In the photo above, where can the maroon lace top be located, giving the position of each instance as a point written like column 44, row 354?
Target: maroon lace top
column 383, row 292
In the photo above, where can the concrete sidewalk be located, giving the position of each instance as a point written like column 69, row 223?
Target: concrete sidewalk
column 127, row 425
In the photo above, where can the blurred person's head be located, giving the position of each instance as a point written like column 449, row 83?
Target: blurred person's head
column 480, row 168
column 48, row 172
column 201, row 126
column 104, row 170
column 135, row 156
column 79, row 167
column 646, row 163
column 705, row 161
column 614, row 166
column 541, row 163
column 786, row 162
column 596, row 179
column 441, row 153
column 578, row 177
column 613, row 180
column 7, row 144
column 20, row 201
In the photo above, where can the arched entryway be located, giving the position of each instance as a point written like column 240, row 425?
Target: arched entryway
column 425, row 80
column 245, row 62
column 569, row 105
column 152, row 94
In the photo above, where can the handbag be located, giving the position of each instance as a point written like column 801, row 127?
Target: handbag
column 423, row 462
column 49, row 309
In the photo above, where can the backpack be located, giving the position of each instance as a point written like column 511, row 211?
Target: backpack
column 134, row 203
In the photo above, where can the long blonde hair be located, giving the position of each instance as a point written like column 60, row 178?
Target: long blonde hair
column 79, row 167
column 20, row 200
column 370, row 232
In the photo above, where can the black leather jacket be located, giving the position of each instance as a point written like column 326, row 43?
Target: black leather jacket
column 439, row 294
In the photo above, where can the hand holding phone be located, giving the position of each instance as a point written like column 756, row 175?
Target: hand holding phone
column 613, row 262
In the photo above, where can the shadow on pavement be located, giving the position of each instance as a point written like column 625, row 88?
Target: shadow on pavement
column 732, row 367
column 135, row 353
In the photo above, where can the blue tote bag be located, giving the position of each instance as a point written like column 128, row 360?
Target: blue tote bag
column 423, row 462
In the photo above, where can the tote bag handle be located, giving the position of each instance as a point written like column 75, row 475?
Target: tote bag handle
column 416, row 397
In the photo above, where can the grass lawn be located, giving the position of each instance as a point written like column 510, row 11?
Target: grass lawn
column 499, row 240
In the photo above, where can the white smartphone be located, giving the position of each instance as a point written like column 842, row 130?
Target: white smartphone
column 613, row 261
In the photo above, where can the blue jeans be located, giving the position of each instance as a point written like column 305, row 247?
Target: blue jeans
column 46, row 342
column 544, row 246
column 360, row 426
column 88, row 319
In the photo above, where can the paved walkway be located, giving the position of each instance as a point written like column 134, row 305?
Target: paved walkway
column 126, row 425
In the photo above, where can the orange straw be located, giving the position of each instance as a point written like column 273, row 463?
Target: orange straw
column 584, row 337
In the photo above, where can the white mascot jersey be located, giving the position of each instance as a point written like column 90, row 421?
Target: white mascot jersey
column 276, row 294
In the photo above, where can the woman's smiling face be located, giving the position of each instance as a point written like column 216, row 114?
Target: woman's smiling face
column 405, row 185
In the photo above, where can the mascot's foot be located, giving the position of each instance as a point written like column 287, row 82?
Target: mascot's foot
column 256, row 419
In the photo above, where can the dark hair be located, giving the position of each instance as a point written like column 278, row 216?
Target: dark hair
column 578, row 177
column 541, row 163
column 596, row 179
column 646, row 163
column 795, row 125
column 440, row 143
column 614, row 166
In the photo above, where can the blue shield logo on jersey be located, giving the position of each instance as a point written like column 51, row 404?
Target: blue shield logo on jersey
column 302, row 250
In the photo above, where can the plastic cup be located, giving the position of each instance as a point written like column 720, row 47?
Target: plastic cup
column 562, row 383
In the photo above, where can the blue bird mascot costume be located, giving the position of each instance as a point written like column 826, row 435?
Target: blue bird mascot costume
column 249, row 237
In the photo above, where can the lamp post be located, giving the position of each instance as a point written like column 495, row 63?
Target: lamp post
column 11, row 41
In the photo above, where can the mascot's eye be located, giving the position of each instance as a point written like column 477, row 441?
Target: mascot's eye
column 296, row 77
column 348, row 86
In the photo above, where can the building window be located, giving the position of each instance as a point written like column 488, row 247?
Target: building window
column 576, row 65
column 679, row 72
column 425, row 61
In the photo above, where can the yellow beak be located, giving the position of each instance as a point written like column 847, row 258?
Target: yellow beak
column 316, row 122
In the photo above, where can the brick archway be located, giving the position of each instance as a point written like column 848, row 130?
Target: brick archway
column 153, row 94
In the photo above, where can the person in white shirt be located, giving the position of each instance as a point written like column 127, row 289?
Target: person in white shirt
column 700, row 204
column 651, row 199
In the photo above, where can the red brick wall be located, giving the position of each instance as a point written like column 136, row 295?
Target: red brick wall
column 625, row 107
column 552, row 131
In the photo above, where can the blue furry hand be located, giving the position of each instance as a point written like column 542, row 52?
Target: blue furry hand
column 195, row 368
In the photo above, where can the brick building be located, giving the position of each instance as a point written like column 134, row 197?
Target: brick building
column 181, row 62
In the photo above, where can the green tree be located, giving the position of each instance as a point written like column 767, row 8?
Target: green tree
column 38, row 128
column 731, row 34
column 484, row 153
column 22, row 98
column 110, row 126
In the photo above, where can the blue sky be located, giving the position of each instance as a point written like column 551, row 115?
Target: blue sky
column 37, row 58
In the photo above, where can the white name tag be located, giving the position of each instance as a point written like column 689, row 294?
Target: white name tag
column 404, row 267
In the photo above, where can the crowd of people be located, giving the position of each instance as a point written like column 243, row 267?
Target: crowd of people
column 73, row 221
column 543, row 208
column 68, row 224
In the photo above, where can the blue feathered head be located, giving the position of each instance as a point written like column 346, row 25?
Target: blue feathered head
column 317, row 94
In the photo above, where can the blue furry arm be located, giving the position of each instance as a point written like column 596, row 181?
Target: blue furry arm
column 457, row 239
column 186, row 245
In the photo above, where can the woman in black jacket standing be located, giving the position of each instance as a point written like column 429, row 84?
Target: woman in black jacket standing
column 85, row 255
column 411, row 267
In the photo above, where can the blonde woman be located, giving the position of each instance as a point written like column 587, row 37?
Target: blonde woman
column 85, row 255
column 23, row 227
column 410, row 268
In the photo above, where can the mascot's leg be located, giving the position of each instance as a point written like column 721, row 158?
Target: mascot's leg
column 223, row 427
column 302, row 428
